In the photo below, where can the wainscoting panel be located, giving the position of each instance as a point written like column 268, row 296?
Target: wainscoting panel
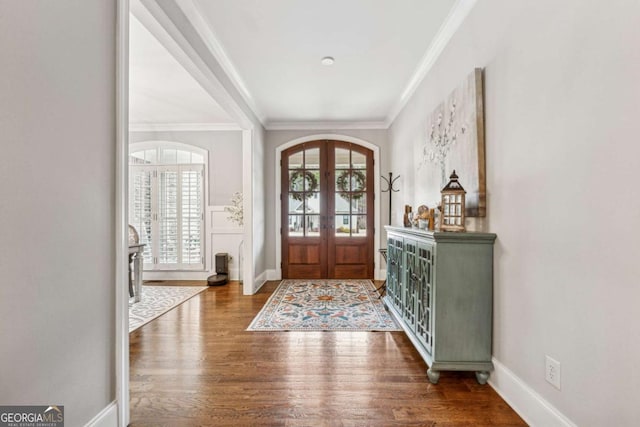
column 225, row 236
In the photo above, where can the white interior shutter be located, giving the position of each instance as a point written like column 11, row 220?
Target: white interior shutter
column 166, row 206
column 168, row 237
column 140, row 209
column 192, row 221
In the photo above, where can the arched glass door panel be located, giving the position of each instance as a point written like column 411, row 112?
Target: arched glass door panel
column 327, row 206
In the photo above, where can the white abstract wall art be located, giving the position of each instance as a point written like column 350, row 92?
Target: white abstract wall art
column 455, row 140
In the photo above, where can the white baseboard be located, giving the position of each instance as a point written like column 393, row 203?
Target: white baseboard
column 185, row 275
column 272, row 275
column 175, row 275
column 533, row 408
column 108, row 417
column 259, row 281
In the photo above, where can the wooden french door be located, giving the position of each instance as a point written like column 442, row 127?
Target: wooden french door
column 327, row 211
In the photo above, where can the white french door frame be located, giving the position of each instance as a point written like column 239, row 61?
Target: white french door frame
column 158, row 145
column 157, row 216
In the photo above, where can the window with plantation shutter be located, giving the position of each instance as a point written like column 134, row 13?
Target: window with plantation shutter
column 140, row 209
column 191, row 215
column 168, row 217
column 166, row 205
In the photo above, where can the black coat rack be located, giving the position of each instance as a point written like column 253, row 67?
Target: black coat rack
column 390, row 182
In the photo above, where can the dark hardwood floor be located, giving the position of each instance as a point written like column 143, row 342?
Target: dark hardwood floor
column 197, row 366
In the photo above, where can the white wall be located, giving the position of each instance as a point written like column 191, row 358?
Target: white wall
column 276, row 138
column 225, row 158
column 57, row 215
column 561, row 104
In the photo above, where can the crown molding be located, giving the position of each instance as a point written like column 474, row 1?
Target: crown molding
column 181, row 127
column 325, row 125
column 449, row 27
column 160, row 23
column 195, row 15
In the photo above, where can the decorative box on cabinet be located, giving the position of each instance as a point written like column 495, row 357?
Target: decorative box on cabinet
column 440, row 290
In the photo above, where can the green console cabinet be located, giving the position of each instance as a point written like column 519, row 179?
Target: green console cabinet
column 440, row 290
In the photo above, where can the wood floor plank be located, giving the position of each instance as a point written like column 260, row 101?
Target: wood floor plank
column 197, row 366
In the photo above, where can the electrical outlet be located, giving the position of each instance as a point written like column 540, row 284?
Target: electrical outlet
column 552, row 372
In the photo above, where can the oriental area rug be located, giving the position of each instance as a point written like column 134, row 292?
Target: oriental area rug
column 324, row 305
column 157, row 300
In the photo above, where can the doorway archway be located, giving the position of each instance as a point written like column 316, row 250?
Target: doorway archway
column 327, row 208
column 376, row 189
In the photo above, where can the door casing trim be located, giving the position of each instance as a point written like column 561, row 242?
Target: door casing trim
column 376, row 192
column 121, row 351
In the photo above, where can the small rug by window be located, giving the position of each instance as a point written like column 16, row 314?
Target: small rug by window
column 324, row 305
column 157, row 300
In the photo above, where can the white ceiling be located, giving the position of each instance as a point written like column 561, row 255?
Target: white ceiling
column 271, row 51
column 161, row 91
column 276, row 46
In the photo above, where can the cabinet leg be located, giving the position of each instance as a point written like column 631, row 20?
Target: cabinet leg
column 482, row 376
column 434, row 376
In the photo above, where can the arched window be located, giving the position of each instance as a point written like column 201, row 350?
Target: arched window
column 166, row 203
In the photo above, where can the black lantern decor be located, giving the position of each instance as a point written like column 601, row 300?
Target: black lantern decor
column 453, row 199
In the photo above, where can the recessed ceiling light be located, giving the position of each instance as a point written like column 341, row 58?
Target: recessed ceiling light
column 327, row 60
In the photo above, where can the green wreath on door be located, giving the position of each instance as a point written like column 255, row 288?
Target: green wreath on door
column 297, row 179
column 343, row 184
